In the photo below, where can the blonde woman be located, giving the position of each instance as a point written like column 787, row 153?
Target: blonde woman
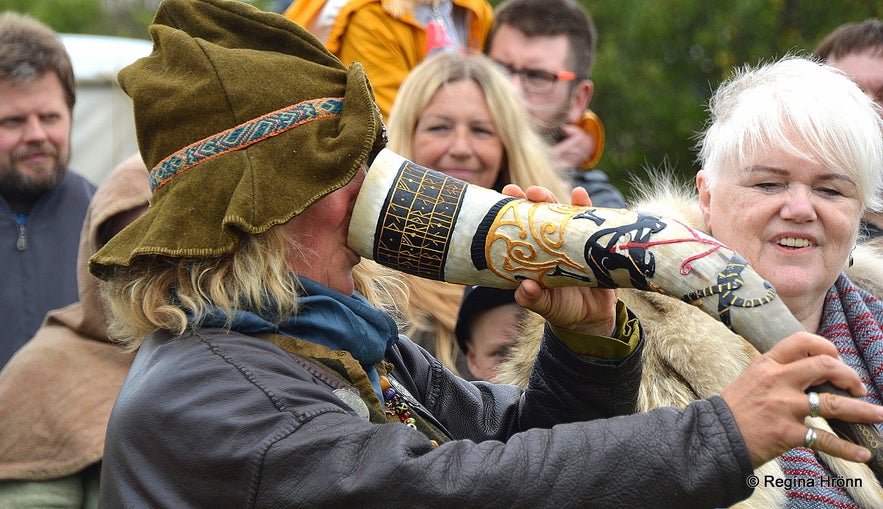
column 458, row 114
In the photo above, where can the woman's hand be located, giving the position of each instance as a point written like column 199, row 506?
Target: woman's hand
column 769, row 404
column 578, row 308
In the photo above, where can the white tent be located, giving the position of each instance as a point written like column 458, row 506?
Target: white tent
column 103, row 132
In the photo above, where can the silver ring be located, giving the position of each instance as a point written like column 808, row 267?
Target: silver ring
column 810, row 439
column 813, row 404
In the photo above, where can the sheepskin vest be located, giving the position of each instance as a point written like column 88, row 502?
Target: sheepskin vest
column 689, row 355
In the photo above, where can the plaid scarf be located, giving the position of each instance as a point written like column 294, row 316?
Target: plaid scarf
column 852, row 321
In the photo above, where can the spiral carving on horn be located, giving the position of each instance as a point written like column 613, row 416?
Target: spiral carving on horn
column 434, row 226
column 536, row 246
column 430, row 225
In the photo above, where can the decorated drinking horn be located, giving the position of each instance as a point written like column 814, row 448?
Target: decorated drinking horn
column 428, row 224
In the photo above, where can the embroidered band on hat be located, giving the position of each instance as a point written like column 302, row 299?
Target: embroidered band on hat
column 242, row 136
column 245, row 120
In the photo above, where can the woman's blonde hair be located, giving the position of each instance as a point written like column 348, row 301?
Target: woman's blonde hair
column 163, row 293
column 528, row 161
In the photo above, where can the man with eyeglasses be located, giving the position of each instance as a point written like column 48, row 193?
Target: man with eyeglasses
column 548, row 47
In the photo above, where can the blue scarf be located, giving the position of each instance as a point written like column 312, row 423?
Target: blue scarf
column 328, row 318
column 852, row 321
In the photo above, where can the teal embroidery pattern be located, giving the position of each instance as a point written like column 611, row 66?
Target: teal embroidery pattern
column 242, row 136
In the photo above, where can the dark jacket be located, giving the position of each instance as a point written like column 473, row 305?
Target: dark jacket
column 40, row 260
column 218, row 419
column 601, row 191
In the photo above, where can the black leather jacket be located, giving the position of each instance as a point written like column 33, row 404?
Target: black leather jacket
column 219, row 419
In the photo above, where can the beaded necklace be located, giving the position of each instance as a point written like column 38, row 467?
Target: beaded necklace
column 396, row 405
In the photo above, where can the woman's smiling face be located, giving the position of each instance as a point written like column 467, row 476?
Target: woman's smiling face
column 793, row 219
column 456, row 135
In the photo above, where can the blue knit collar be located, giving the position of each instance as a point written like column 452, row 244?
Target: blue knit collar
column 325, row 317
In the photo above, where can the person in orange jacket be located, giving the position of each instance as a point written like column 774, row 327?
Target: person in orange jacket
column 390, row 37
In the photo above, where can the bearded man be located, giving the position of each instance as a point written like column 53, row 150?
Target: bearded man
column 42, row 203
column 547, row 47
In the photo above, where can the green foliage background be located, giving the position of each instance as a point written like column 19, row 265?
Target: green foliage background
column 657, row 60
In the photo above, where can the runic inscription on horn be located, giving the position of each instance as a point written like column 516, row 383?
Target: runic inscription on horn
column 417, row 220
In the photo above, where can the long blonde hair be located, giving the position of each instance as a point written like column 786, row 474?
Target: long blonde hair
column 433, row 309
column 162, row 293
column 528, row 158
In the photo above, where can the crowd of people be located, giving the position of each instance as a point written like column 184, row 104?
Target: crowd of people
column 457, row 114
column 196, row 332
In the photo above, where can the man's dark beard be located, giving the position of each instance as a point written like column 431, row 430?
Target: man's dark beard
column 551, row 130
column 17, row 189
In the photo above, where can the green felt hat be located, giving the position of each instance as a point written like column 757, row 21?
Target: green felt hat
column 245, row 119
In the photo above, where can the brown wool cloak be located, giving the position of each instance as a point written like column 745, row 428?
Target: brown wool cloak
column 57, row 391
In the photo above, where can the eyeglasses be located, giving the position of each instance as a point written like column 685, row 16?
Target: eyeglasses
column 536, row 81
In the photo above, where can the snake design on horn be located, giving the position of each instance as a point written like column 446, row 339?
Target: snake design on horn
column 434, row 226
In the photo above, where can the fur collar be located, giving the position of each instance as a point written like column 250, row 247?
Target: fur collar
column 689, row 355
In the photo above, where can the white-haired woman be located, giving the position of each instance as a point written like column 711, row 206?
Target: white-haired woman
column 791, row 159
